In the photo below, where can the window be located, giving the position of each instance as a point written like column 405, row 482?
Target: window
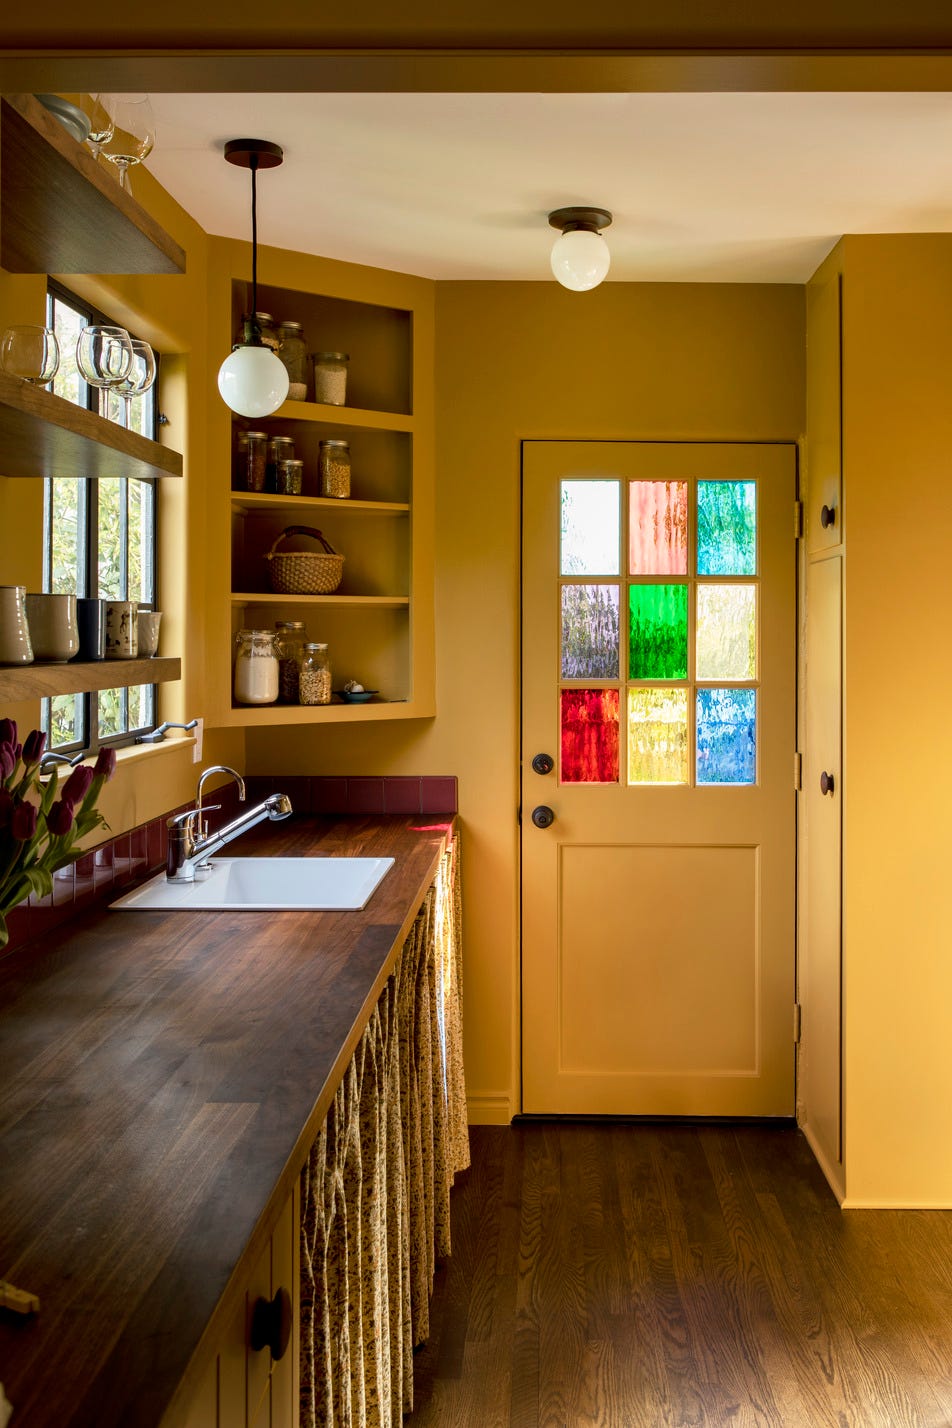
column 99, row 540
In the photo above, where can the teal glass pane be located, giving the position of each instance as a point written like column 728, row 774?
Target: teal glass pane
column 726, row 632
column 726, row 735
column 727, row 528
column 657, row 736
column 658, row 632
column 590, row 632
column 590, row 526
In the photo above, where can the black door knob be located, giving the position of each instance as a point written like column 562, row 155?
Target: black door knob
column 827, row 516
column 826, row 782
column 271, row 1324
column 543, row 817
column 543, row 763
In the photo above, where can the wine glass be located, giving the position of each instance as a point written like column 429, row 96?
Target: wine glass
column 133, row 135
column 30, row 353
column 139, row 379
column 104, row 355
column 101, row 123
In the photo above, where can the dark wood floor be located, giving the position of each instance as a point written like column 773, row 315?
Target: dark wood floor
column 615, row 1276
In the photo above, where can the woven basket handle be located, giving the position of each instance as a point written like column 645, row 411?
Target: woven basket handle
column 303, row 530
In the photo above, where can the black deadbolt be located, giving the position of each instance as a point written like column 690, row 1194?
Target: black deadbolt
column 543, row 763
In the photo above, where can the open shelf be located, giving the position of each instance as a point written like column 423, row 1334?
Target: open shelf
column 265, row 715
column 61, row 211
column 265, row 501
column 381, row 602
column 44, row 681
column 42, row 434
column 344, row 418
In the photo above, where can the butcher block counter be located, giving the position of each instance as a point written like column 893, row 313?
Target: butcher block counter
column 164, row 1075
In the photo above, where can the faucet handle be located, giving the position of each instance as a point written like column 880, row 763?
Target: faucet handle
column 182, row 820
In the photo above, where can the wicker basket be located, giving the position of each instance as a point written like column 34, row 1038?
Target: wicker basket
column 304, row 572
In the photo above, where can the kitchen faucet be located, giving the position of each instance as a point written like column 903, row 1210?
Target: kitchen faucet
column 191, row 845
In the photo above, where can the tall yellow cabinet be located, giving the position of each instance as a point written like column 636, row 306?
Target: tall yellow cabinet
column 875, row 1072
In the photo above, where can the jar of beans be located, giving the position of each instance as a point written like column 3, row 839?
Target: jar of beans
column 333, row 464
column 289, row 640
column 280, row 448
column 289, row 477
column 330, row 378
column 315, row 677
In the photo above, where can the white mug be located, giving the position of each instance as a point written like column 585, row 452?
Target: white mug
column 122, row 629
column 15, row 647
column 148, row 622
column 54, row 633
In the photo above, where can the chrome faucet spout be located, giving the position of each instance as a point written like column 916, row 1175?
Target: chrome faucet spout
column 190, row 844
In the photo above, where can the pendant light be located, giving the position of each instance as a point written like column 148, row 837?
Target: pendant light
column 580, row 257
column 252, row 380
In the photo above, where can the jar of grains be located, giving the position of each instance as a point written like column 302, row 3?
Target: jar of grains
column 293, row 353
column 289, row 638
column 333, row 464
column 256, row 667
column 269, row 335
column 330, row 377
column 289, row 477
column 280, row 448
column 315, row 682
column 251, row 459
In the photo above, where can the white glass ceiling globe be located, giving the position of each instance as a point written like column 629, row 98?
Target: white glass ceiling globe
column 253, row 381
column 580, row 259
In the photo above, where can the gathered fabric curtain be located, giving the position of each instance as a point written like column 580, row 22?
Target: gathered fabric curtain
column 375, row 1213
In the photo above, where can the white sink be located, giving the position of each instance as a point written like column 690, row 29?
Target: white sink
column 266, row 885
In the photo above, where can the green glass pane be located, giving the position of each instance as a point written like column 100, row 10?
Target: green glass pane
column 657, row 736
column 726, row 631
column 726, row 527
column 590, row 525
column 590, row 632
column 658, row 528
column 111, row 562
column 658, row 632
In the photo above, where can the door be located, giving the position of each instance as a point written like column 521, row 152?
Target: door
column 659, row 676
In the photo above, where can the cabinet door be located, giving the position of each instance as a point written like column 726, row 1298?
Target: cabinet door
column 823, row 515
column 257, row 1362
column 285, row 1274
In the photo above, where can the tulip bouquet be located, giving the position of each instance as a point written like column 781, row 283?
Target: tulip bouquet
column 41, row 822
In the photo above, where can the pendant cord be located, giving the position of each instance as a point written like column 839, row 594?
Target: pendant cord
column 254, row 239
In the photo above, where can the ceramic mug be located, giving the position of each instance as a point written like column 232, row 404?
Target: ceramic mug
column 91, row 618
column 15, row 647
column 122, row 629
column 54, row 633
column 148, row 622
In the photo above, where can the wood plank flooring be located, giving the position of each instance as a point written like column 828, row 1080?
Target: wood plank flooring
column 658, row 1276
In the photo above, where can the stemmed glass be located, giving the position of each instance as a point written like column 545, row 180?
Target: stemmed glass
column 30, row 353
column 140, row 378
column 104, row 355
column 101, row 123
column 133, row 136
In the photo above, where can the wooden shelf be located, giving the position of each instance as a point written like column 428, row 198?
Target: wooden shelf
column 381, row 602
column 344, row 418
column 43, row 681
column 42, row 434
column 61, row 211
column 251, row 501
column 259, row 715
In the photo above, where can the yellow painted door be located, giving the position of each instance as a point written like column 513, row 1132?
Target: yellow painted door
column 658, row 852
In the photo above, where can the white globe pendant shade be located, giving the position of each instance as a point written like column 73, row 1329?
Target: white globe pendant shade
column 580, row 259
column 253, row 381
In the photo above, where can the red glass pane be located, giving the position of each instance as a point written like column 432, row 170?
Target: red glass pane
column 589, row 735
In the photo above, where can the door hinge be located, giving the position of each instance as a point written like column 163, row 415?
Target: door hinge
column 797, row 771
column 798, row 520
column 796, row 1023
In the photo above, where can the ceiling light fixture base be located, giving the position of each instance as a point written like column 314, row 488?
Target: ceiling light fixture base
column 245, row 152
column 568, row 220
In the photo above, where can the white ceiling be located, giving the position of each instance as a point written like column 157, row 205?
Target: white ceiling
column 703, row 187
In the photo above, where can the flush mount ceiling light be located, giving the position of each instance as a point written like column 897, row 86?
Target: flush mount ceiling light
column 580, row 257
column 252, row 380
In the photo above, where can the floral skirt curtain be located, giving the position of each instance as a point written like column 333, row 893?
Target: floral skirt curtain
column 375, row 1190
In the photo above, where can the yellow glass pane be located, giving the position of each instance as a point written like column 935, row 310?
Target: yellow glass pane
column 726, row 631
column 658, row 736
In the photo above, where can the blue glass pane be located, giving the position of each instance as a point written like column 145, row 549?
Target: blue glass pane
column 726, row 735
column 726, row 528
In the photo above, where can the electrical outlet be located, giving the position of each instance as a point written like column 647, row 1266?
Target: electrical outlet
column 199, row 732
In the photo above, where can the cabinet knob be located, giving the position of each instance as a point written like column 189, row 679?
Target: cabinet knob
column 827, row 516
column 543, row 763
column 826, row 782
column 542, row 816
column 271, row 1324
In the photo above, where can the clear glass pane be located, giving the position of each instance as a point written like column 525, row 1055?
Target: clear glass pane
column 657, row 736
column 658, row 632
column 658, row 528
column 726, row 735
column 66, row 537
column 590, row 632
column 112, row 713
column 141, row 702
column 726, row 528
column 589, row 742
column 67, row 325
column 111, row 542
column 141, row 498
column 62, row 719
column 590, row 525
column 726, row 632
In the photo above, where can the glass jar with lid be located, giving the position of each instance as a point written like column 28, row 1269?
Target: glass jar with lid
column 293, row 353
column 256, row 667
column 280, row 448
column 289, row 640
column 315, row 677
column 333, row 464
column 269, row 335
column 330, row 378
column 251, row 459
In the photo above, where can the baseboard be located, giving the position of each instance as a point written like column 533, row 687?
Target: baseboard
column 489, row 1110
column 859, row 1202
column 832, row 1172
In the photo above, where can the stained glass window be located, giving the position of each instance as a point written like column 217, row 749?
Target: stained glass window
column 590, row 632
column 657, row 736
column 589, row 741
column 726, row 631
column 590, row 525
column 726, row 528
column 658, row 528
column 726, row 735
column 658, row 632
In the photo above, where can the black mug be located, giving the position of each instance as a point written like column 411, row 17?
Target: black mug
column 91, row 618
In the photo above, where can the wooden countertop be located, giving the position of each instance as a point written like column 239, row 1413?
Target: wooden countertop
column 163, row 1078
